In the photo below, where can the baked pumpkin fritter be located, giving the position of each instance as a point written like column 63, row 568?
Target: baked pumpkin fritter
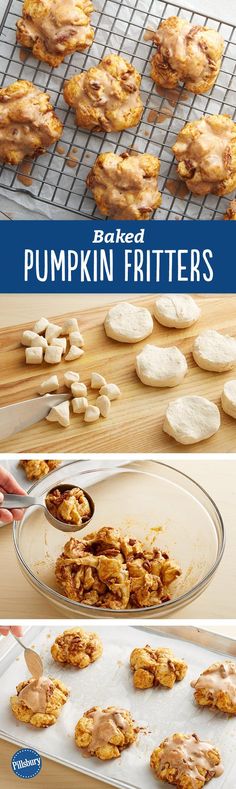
column 28, row 124
column 206, row 152
column 35, row 469
column 108, row 570
column 125, row 186
column 231, row 211
column 105, row 733
column 216, row 687
column 55, row 28
column 185, row 761
column 186, row 53
column 106, row 97
column 153, row 667
column 76, row 647
column 39, row 702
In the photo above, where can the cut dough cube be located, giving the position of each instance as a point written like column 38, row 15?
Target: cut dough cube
column 191, row 419
column 60, row 413
column 78, row 389
column 60, row 342
column 49, row 385
column 74, row 353
column 52, row 331
column 127, row 323
column 41, row 325
column 104, row 405
column 176, row 311
column 97, row 381
column 161, row 367
column 39, row 342
column 27, row 337
column 34, row 355
column 214, row 351
column 53, row 354
column 79, row 405
column 69, row 325
column 111, row 391
column 70, row 378
column 76, row 338
column 92, row 413
column 228, row 398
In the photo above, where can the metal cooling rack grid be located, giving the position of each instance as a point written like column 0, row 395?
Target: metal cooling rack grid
column 119, row 28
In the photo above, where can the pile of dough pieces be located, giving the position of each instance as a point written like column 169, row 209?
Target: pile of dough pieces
column 48, row 342
column 192, row 418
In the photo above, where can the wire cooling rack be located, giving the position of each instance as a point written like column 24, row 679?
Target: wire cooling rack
column 119, row 26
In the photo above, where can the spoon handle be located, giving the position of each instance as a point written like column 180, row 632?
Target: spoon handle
column 18, row 640
column 12, row 501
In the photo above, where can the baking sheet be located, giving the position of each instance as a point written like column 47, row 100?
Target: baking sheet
column 109, row 682
column 60, row 191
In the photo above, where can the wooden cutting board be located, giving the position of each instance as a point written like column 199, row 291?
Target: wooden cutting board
column 135, row 422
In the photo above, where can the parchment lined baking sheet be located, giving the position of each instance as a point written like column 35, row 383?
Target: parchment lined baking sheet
column 108, row 682
column 119, row 28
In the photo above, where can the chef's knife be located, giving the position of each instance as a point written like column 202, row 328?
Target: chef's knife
column 18, row 416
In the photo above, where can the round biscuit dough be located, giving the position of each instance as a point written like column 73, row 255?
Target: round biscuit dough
column 176, row 311
column 228, row 398
column 161, row 366
column 214, row 351
column 191, row 419
column 127, row 323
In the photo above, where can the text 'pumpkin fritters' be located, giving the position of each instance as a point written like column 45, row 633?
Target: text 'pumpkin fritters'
column 39, row 701
column 28, row 124
column 186, row 53
column 206, row 152
column 106, row 97
column 231, row 211
column 216, row 687
column 105, row 733
column 55, row 28
column 109, row 570
column 77, row 647
column 125, row 186
column 185, row 761
column 153, row 667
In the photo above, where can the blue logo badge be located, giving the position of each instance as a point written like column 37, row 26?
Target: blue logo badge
column 26, row 763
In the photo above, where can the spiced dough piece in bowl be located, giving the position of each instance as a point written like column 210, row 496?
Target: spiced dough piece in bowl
column 77, row 648
column 186, row 53
column 105, row 733
column 214, row 351
column 161, row 366
column 127, row 323
column 39, row 701
column 216, row 687
column 125, row 186
column 28, row 124
column 107, row 96
column 55, row 28
column 191, row 419
column 185, row 761
column 153, row 667
column 176, row 311
column 206, row 152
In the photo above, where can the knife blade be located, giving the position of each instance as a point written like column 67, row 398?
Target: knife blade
column 18, row 416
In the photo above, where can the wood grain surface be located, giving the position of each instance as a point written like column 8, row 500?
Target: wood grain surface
column 135, row 423
column 52, row 774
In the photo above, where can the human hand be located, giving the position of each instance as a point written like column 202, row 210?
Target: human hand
column 17, row 631
column 9, row 485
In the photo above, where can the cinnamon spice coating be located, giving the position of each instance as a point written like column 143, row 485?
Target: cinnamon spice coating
column 125, row 186
column 105, row 733
column 57, row 695
column 186, row 53
column 153, row 667
column 77, row 648
column 55, row 28
column 28, row 124
column 185, row 761
column 108, row 570
column 106, row 97
column 206, row 153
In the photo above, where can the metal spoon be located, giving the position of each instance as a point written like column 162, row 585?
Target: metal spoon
column 32, row 659
column 12, row 501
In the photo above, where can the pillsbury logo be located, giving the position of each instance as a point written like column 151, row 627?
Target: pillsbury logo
column 26, row 763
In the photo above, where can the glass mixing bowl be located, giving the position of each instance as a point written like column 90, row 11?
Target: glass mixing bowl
column 147, row 499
